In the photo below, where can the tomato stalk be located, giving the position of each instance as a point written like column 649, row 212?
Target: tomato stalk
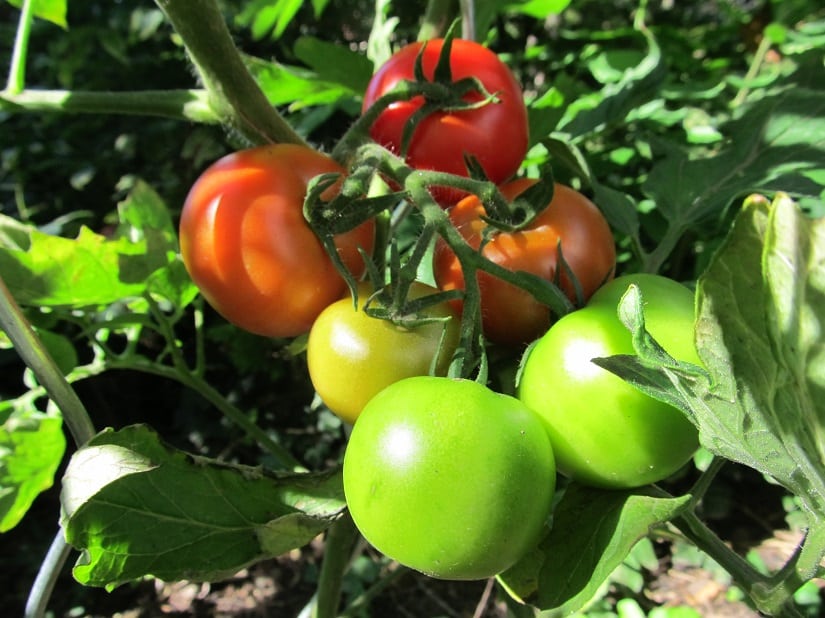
column 37, row 358
column 350, row 209
column 35, row 355
column 233, row 92
column 436, row 19
column 190, row 105
column 340, row 540
column 17, row 71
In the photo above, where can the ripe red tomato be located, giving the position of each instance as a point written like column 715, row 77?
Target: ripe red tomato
column 511, row 315
column 495, row 134
column 248, row 248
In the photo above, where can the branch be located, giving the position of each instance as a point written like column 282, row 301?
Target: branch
column 232, row 91
column 180, row 104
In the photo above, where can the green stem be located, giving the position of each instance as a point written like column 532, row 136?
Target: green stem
column 38, row 359
column 753, row 71
column 189, row 105
column 41, row 590
column 17, row 71
column 468, row 19
column 703, row 483
column 804, row 565
column 233, row 93
column 340, row 541
column 205, row 390
column 436, row 20
column 655, row 259
column 745, row 575
column 362, row 601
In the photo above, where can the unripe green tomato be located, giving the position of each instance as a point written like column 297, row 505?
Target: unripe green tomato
column 448, row 477
column 605, row 432
column 352, row 356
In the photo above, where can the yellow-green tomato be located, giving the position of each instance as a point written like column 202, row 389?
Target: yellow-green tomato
column 351, row 355
column 604, row 431
column 448, row 477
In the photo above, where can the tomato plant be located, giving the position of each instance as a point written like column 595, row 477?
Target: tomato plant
column 247, row 246
column 667, row 132
column 495, row 134
column 604, row 431
column 571, row 226
column 351, row 356
column 449, row 477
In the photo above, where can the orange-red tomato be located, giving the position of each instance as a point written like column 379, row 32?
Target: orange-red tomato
column 571, row 223
column 248, row 248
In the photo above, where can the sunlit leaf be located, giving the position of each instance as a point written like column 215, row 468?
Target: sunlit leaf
column 136, row 507
column 593, row 532
column 50, row 10
column 94, row 269
column 31, row 449
column 760, row 316
column 777, row 145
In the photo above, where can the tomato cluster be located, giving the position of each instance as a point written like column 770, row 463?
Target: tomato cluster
column 440, row 473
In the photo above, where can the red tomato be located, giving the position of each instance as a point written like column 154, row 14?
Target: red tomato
column 495, row 134
column 248, row 248
column 511, row 315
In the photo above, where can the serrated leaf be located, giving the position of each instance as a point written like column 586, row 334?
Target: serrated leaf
column 50, row 10
column 758, row 332
column 593, row 532
column 760, row 315
column 31, row 449
column 136, row 507
column 777, row 145
column 92, row 269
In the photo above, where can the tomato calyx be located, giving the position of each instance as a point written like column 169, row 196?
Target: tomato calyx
column 441, row 94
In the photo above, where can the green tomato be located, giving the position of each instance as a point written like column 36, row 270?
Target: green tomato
column 605, row 432
column 448, row 477
column 352, row 356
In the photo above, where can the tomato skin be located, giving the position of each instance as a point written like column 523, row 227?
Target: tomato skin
column 511, row 315
column 248, row 248
column 449, row 478
column 496, row 134
column 352, row 356
column 605, row 432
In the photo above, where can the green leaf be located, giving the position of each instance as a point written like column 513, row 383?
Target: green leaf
column 295, row 86
column 539, row 9
column 617, row 99
column 760, row 315
column 760, row 312
column 266, row 17
column 379, row 43
column 334, row 63
column 31, row 448
column 593, row 532
column 777, row 145
column 136, row 507
column 92, row 269
column 50, row 10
